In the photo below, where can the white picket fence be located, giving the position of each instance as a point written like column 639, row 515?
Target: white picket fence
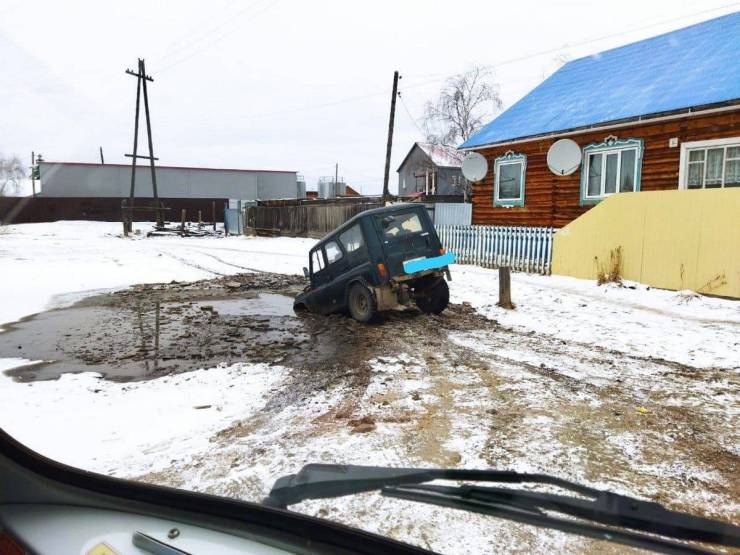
column 525, row 249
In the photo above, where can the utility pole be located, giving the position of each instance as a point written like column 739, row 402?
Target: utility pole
column 390, row 136
column 141, row 81
column 33, row 172
column 102, row 160
column 336, row 179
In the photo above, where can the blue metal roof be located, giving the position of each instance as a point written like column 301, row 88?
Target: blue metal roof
column 693, row 66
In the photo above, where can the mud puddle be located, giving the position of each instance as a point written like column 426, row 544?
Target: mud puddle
column 150, row 330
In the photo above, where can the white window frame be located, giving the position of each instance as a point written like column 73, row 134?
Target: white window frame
column 510, row 158
column 611, row 145
column 683, row 171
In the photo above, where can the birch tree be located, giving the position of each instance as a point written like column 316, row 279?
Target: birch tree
column 12, row 173
column 466, row 102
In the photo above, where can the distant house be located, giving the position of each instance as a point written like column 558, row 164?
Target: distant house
column 430, row 169
column 658, row 114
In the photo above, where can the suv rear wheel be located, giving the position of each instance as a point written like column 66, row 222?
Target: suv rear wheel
column 361, row 303
column 435, row 299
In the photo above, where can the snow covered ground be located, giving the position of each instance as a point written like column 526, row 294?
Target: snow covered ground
column 628, row 388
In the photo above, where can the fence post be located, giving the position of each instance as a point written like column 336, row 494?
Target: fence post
column 504, row 287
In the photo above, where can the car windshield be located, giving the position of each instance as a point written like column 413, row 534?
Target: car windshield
column 239, row 237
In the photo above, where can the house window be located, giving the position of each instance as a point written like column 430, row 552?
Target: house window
column 711, row 164
column 610, row 167
column 509, row 172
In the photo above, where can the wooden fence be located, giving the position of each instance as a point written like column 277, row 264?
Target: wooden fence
column 302, row 220
column 526, row 249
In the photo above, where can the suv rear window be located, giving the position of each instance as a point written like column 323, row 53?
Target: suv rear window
column 398, row 225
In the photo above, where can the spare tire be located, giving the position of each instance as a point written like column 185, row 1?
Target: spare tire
column 435, row 299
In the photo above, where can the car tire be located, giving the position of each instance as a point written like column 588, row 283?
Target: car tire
column 436, row 299
column 361, row 303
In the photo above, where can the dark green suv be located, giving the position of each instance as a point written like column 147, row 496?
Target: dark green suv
column 379, row 260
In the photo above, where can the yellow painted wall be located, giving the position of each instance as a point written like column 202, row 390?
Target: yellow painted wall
column 669, row 239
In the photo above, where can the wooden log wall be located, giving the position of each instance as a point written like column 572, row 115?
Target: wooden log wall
column 552, row 200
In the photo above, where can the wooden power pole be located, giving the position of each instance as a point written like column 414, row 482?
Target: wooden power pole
column 141, row 81
column 390, row 137
column 33, row 172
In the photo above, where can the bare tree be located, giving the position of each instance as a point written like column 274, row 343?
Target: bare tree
column 12, row 172
column 465, row 103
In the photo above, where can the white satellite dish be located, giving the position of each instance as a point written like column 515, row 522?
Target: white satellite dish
column 564, row 157
column 474, row 166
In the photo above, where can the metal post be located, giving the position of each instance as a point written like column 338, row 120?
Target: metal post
column 390, row 137
column 102, row 160
column 213, row 214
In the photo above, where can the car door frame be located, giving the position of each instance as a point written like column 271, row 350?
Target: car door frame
column 320, row 281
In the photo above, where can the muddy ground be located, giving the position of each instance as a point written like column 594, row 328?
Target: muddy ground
column 449, row 390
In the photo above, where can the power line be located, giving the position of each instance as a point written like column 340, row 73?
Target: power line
column 220, row 37
column 408, row 113
column 503, row 62
column 199, row 32
column 599, row 38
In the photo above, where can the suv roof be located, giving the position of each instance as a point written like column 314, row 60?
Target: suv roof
column 367, row 213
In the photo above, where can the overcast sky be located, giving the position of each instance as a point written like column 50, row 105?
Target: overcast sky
column 282, row 84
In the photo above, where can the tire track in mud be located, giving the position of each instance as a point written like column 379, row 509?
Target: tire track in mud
column 683, row 434
column 492, row 396
column 190, row 264
column 222, row 261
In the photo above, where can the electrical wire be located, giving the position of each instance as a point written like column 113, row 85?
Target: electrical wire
column 219, row 37
column 442, row 76
column 597, row 38
column 408, row 113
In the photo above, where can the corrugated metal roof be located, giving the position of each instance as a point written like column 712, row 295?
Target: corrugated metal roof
column 686, row 68
column 145, row 165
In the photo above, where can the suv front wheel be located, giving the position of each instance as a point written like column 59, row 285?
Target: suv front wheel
column 362, row 305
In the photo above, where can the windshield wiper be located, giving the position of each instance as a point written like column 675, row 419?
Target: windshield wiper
column 318, row 481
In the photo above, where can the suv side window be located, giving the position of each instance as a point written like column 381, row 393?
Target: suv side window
column 333, row 252
column 317, row 261
column 352, row 239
